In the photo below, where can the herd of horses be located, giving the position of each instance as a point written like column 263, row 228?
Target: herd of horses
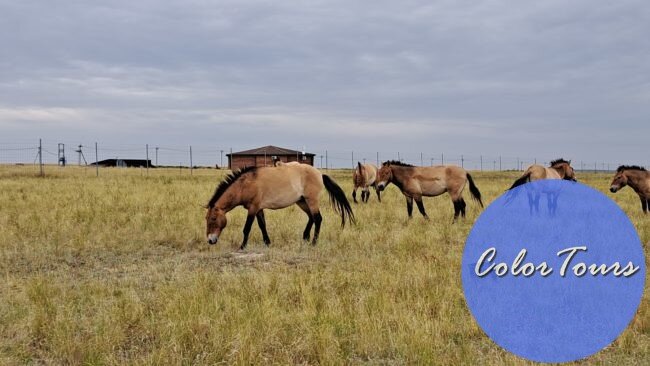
column 285, row 184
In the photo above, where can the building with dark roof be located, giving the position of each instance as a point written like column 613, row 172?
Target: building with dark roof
column 267, row 156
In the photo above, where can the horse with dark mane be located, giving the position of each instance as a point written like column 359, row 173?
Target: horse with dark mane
column 638, row 178
column 364, row 177
column 417, row 182
column 558, row 169
column 257, row 189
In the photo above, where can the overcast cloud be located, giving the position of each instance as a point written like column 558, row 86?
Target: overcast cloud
column 519, row 78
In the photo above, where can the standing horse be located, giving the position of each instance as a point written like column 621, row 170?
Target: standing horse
column 418, row 182
column 274, row 188
column 636, row 177
column 559, row 169
column 364, row 177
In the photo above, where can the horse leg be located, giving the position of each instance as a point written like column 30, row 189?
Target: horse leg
column 644, row 204
column 409, row 206
column 366, row 192
column 314, row 210
column 317, row 221
column 456, row 210
column 378, row 194
column 261, row 221
column 303, row 205
column 247, row 229
column 418, row 201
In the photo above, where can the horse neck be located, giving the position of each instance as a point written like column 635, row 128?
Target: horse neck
column 635, row 178
column 230, row 199
column 560, row 169
column 399, row 175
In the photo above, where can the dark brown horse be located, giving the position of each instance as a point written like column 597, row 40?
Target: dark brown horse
column 637, row 178
column 417, row 182
column 274, row 188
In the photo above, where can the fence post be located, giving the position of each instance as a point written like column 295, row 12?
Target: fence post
column 327, row 164
column 191, row 163
column 40, row 157
column 96, row 161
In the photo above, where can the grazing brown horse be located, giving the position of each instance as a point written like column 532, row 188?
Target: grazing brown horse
column 418, row 182
column 364, row 177
column 636, row 177
column 274, row 187
column 559, row 169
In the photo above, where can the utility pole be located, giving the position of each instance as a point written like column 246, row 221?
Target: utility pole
column 156, row 155
column 500, row 168
column 442, row 159
column 481, row 162
column 221, row 163
column 40, row 156
column 462, row 161
column 327, row 163
column 191, row 162
column 421, row 160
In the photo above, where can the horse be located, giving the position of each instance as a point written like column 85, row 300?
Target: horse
column 637, row 178
column 558, row 169
column 364, row 177
column 418, row 182
column 260, row 188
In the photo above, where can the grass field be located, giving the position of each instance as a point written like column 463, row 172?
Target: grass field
column 116, row 270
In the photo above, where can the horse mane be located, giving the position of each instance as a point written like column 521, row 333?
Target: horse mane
column 560, row 161
column 395, row 162
column 629, row 167
column 227, row 182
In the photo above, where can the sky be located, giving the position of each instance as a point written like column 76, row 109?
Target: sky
column 495, row 78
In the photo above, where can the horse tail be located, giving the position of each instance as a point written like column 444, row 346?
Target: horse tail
column 522, row 180
column 360, row 180
column 338, row 200
column 476, row 194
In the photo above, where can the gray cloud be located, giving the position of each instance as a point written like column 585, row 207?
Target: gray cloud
column 492, row 77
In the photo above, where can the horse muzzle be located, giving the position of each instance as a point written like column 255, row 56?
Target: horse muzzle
column 613, row 189
column 212, row 239
column 381, row 186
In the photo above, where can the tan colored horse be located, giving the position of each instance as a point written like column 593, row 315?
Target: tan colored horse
column 559, row 169
column 418, row 182
column 637, row 178
column 274, row 188
column 364, row 177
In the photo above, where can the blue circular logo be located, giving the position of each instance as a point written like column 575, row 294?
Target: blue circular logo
column 553, row 271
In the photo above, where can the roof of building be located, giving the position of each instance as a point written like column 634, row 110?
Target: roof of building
column 270, row 150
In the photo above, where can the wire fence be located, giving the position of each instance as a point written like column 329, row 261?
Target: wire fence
column 40, row 155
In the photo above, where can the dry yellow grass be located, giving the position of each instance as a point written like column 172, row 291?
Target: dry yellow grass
column 116, row 270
